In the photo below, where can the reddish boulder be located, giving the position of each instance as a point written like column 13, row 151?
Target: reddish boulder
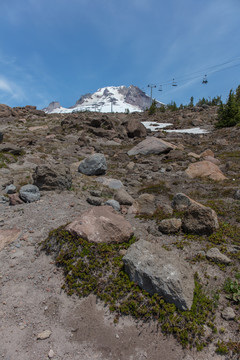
column 101, row 224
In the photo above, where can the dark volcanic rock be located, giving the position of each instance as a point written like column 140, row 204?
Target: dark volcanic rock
column 93, row 165
column 135, row 129
column 199, row 219
column 51, row 177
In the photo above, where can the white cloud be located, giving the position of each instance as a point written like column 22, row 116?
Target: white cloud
column 8, row 87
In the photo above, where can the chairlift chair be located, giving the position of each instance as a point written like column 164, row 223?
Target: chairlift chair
column 205, row 80
column 160, row 88
column 174, row 83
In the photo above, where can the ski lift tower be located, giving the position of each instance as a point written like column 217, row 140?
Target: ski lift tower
column 151, row 87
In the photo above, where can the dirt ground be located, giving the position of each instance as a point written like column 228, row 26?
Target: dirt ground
column 31, row 299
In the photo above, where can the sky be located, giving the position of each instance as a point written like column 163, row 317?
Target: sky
column 58, row 50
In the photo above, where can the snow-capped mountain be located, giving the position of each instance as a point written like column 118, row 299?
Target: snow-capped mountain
column 107, row 99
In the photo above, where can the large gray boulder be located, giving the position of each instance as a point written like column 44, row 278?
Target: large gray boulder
column 93, row 165
column 157, row 270
column 52, row 177
column 29, row 193
column 151, row 145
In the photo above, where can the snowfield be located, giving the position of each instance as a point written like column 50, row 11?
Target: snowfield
column 106, row 100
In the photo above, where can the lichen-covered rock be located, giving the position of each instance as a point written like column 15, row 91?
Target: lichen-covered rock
column 101, row 224
column 170, row 226
column 159, row 271
column 93, row 165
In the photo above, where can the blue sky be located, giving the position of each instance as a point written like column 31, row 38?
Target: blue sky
column 61, row 49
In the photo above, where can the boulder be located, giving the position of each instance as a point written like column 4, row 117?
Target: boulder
column 14, row 199
column 170, row 226
column 10, row 148
column 10, row 189
column 5, row 111
column 111, row 183
column 205, row 169
column 146, row 204
column 29, row 193
column 157, row 270
column 206, row 153
column 135, row 129
column 215, row 255
column 199, row 219
column 151, row 145
column 123, row 197
column 181, row 202
column 114, row 204
column 52, row 177
column 101, row 224
column 93, row 165
column 212, row 159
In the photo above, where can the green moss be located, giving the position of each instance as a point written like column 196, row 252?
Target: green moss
column 98, row 268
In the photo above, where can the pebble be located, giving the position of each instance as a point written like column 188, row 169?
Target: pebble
column 51, row 354
column 44, row 335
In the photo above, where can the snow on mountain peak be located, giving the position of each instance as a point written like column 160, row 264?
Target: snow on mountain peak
column 108, row 99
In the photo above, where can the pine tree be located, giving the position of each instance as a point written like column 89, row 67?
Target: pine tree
column 229, row 114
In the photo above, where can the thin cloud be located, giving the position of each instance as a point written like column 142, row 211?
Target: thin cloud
column 8, row 87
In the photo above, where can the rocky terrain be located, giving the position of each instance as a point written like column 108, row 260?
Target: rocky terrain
column 142, row 261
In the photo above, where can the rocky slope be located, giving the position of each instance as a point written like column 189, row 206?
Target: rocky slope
column 144, row 174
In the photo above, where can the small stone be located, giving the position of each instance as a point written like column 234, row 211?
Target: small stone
column 94, row 201
column 170, row 226
column 228, row 314
column 10, row 189
column 44, row 335
column 215, row 255
column 114, row 204
column 51, row 354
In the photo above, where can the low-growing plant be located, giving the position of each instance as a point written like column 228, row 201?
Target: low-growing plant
column 99, row 269
column 232, row 288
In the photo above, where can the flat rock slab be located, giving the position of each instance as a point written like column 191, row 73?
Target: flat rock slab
column 7, row 236
column 157, row 270
column 205, row 169
column 152, row 145
column 101, row 224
